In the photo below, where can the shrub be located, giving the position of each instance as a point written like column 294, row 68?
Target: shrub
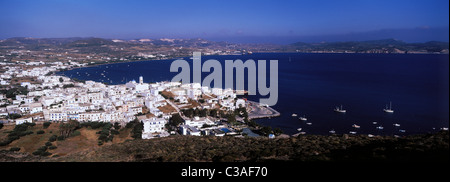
column 110, row 138
column 52, row 138
column 103, row 137
column 42, row 151
column 95, row 125
column 48, row 144
column 46, row 153
column 40, row 132
column 46, row 124
column 43, row 148
column 37, row 152
column 60, row 138
column 1, row 126
column 4, row 143
column 52, row 147
column 14, row 149
column 75, row 133
column 114, row 132
column 116, row 126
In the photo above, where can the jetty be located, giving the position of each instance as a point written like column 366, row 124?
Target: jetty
column 258, row 111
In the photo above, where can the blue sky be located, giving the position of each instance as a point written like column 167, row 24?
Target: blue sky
column 264, row 20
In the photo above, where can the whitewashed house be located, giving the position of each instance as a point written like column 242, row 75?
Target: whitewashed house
column 189, row 130
column 216, row 91
column 24, row 120
column 153, row 125
column 198, row 122
column 57, row 116
column 35, row 108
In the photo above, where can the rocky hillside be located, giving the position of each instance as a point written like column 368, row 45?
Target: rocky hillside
column 428, row 147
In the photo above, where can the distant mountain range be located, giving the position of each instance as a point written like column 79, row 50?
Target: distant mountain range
column 108, row 45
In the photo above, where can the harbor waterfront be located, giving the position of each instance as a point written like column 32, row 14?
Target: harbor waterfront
column 312, row 85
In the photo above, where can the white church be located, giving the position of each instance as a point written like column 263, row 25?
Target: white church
column 138, row 87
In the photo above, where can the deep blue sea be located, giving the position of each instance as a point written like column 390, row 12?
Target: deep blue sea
column 313, row 84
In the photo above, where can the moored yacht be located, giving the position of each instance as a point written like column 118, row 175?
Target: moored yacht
column 303, row 118
column 340, row 110
column 388, row 110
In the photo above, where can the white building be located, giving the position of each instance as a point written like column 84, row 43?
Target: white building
column 198, row 122
column 57, row 116
column 189, row 130
column 153, row 125
column 91, row 116
column 24, row 120
column 216, row 91
column 35, row 108
column 240, row 103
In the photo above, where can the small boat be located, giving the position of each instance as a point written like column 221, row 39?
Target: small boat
column 294, row 115
column 396, row 136
column 402, row 131
column 353, row 132
column 445, row 129
column 380, row 127
column 303, row 118
column 397, row 125
column 299, row 129
column 302, row 133
column 356, row 126
column 370, row 135
column 339, row 110
column 332, row 131
column 388, row 110
column 374, row 122
column 309, row 123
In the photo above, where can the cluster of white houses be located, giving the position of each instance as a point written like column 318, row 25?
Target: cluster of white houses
column 94, row 101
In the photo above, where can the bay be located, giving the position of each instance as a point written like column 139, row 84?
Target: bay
column 313, row 84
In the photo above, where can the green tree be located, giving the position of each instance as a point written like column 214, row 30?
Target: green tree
column 46, row 124
column 66, row 129
column 277, row 131
column 266, row 130
column 231, row 119
column 116, row 126
column 176, row 120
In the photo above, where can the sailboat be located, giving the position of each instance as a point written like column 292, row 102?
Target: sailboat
column 303, row 118
column 389, row 110
column 340, row 110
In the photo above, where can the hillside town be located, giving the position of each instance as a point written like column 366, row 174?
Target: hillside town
column 38, row 96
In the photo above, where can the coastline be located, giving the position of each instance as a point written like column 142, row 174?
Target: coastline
column 100, row 64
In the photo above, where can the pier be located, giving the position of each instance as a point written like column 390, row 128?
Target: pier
column 258, row 111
